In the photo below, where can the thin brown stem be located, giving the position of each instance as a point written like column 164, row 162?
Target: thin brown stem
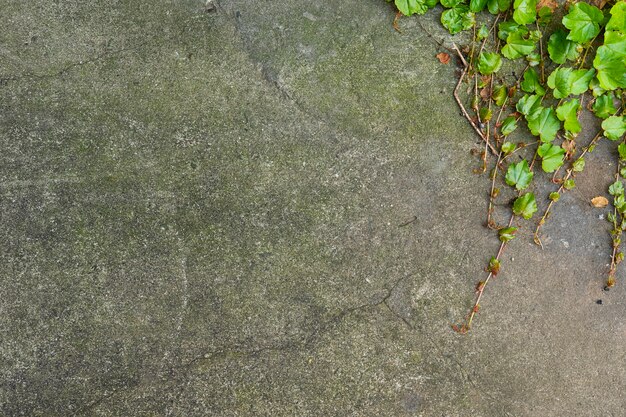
column 456, row 48
column 541, row 63
column 482, row 45
column 616, row 234
column 568, row 174
column 467, row 116
column 490, row 223
column 481, row 286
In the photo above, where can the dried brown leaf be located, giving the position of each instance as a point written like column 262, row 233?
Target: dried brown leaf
column 443, row 58
column 599, row 202
column 599, row 3
column 395, row 22
column 551, row 4
column 568, row 146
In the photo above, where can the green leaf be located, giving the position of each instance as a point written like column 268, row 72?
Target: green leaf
column 494, row 266
column 519, row 175
column 534, row 35
column 485, row 114
column 507, row 234
column 551, row 156
column 508, row 126
column 533, row 58
column 525, row 11
column 525, row 205
column 489, row 62
column 579, row 165
column 615, row 42
column 580, row 79
column 410, row 7
column 558, row 81
column 583, row 21
column 545, row 15
column 508, row 27
column 610, row 217
column 614, row 127
column 603, row 107
column 561, row 49
column 618, row 17
column 499, row 95
column 619, row 202
column 610, row 61
column 448, row 4
column 545, row 125
column 565, row 81
column 555, row 196
column 531, row 83
column 517, row 47
column 595, row 87
column 498, row 6
column 483, row 32
column 529, row 105
column 568, row 113
column 569, row 184
column 457, row 19
column 617, row 188
column 508, row 147
column 622, row 151
column 477, row 5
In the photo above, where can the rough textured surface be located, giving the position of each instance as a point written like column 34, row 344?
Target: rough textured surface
column 200, row 216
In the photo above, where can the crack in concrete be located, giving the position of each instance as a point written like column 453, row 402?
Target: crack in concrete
column 266, row 74
column 181, row 372
column 67, row 68
column 107, row 54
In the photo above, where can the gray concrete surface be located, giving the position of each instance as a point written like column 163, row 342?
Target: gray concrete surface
column 200, row 217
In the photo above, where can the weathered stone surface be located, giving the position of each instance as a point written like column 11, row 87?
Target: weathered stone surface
column 202, row 210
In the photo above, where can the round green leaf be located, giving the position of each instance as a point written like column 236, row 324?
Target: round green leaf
column 516, row 46
column 457, row 19
column 525, row 11
column 508, row 126
column 525, row 205
column 568, row 113
column 531, row 83
column 519, row 175
column 603, row 106
column 561, row 49
column 618, row 17
column 545, row 125
column 614, row 127
column 410, row 7
column 583, row 21
column 489, row 62
column 551, row 156
column 477, row 6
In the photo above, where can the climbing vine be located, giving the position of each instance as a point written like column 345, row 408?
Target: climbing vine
column 572, row 59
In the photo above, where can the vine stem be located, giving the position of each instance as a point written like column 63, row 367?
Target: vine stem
column 480, row 289
column 616, row 234
column 482, row 45
column 490, row 223
column 584, row 58
column 506, row 99
column 568, row 174
column 481, row 286
column 541, row 63
column 462, row 107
